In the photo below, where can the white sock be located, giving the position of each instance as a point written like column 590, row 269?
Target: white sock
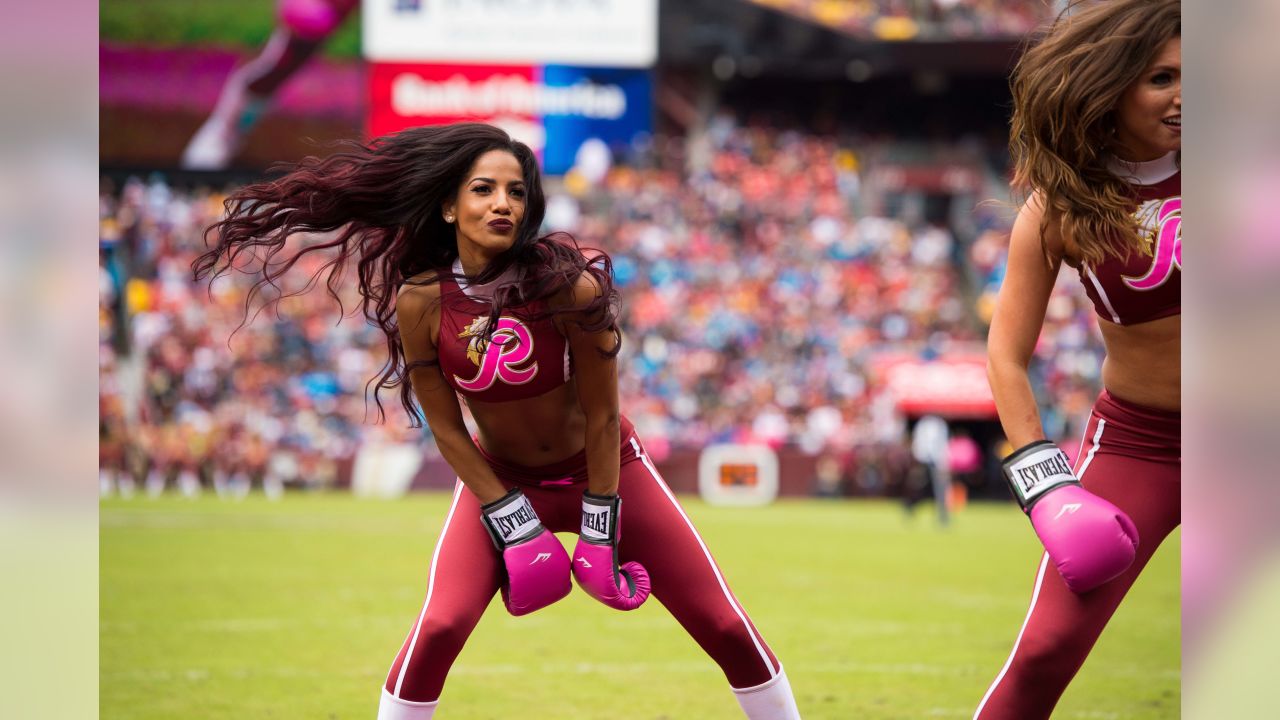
column 393, row 708
column 769, row 701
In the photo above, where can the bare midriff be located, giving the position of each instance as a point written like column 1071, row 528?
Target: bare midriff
column 1144, row 362
column 535, row 431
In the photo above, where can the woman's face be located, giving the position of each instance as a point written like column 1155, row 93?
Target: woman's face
column 487, row 207
column 1149, row 114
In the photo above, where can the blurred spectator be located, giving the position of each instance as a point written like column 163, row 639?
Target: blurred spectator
column 922, row 19
column 198, row 399
column 965, row 458
column 829, row 478
column 754, row 296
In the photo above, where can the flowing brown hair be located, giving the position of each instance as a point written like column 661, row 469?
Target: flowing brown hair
column 1065, row 90
column 382, row 203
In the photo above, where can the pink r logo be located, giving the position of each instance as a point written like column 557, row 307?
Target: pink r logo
column 512, row 345
column 1168, row 250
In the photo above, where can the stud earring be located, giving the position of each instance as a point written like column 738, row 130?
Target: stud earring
column 448, row 218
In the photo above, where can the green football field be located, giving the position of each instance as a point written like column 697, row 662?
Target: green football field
column 295, row 609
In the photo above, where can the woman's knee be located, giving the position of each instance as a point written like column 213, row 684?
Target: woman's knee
column 443, row 634
column 1046, row 657
column 427, row 657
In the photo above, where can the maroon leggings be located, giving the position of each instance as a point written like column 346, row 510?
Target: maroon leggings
column 1130, row 455
column 465, row 572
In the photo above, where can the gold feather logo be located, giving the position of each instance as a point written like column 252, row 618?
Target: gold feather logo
column 475, row 331
column 1148, row 217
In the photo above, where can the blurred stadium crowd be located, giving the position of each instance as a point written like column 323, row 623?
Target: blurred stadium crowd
column 755, row 291
column 920, row 19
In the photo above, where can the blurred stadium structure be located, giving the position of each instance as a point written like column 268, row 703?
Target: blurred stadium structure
column 792, row 192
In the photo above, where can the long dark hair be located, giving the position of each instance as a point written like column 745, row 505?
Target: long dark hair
column 383, row 203
column 1065, row 90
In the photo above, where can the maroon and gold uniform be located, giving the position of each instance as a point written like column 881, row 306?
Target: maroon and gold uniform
column 1144, row 287
column 525, row 358
column 1131, row 456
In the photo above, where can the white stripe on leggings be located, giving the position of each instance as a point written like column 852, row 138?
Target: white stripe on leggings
column 764, row 655
column 1035, row 595
column 1044, row 561
column 1097, row 441
column 431, row 583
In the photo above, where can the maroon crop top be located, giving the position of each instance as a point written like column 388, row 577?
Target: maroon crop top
column 1141, row 287
column 524, row 359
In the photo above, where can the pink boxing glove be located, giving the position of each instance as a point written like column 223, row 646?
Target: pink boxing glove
column 595, row 559
column 536, row 564
column 1089, row 540
column 313, row 19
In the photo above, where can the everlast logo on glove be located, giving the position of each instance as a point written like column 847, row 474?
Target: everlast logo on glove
column 1056, row 465
column 1037, row 469
column 510, row 525
column 595, row 523
column 511, row 519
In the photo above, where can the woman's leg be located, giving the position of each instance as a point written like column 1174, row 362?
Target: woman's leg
column 1061, row 627
column 657, row 533
column 464, row 577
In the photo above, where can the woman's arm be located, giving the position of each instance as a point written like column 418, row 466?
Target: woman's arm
column 417, row 311
column 1089, row 540
column 597, row 379
column 622, row 586
column 1016, row 324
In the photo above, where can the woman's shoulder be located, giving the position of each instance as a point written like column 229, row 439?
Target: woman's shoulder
column 577, row 294
column 1039, row 218
column 420, row 292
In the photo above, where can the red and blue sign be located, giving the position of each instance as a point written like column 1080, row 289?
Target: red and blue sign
column 553, row 108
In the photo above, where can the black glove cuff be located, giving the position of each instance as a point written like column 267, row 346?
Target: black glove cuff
column 510, row 520
column 600, row 518
column 1034, row 469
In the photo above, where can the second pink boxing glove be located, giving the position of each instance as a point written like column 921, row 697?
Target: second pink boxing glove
column 595, row 559
column 1089, row 540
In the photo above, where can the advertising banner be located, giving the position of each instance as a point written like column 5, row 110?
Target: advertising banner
column 953, row 385
column 594, row 33
column 741, row 475
column 552, row 108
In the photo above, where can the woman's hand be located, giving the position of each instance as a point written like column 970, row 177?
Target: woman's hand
column 595, row 559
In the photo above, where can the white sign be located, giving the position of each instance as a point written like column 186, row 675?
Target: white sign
column 605, row 33
column 385, row 471
column 738, row 474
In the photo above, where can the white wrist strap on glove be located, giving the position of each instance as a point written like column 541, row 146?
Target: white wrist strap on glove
column 599, row 518
column 1036, row 469
column 510, row 519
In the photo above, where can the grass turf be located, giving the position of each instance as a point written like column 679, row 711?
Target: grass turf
column 294, row 609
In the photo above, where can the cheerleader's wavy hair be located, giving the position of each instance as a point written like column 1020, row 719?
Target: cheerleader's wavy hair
column 381, row 203
column 1065, row 89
